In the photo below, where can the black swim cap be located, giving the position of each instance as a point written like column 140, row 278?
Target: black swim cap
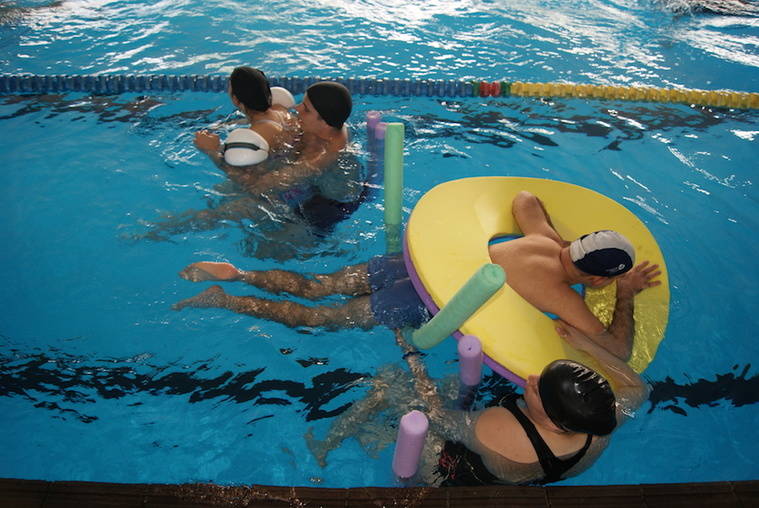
column 332, row 101
column 577, row 398
column 251, row 87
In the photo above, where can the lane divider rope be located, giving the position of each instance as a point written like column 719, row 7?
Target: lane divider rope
column 117, row 84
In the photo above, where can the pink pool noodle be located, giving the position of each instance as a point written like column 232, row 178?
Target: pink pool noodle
column 412, row 432
column 379, row 130
column 470, row 360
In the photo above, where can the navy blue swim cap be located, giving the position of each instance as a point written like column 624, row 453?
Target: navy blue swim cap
column 605, row 253
column 332, row 101
column 577, row 398
column 251, row 87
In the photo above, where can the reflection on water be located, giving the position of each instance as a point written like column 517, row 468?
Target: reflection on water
column 735, row 388
column 66, row 385
column 596, row 42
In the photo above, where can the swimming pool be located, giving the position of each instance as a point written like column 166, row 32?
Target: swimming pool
column 93, row 355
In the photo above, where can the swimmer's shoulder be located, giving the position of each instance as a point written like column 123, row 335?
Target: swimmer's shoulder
column 499, row 431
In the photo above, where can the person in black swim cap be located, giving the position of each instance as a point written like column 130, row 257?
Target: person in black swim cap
column 332, row 101
column 306, row 164
column 577, row 398
column 556, row 429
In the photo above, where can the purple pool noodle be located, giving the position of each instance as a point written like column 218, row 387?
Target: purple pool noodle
column 412, row 432
column 379, row 130
column 372, row 119
column 470, row 360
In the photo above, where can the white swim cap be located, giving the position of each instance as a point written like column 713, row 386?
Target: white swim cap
column 282, row 96
column 245, row 147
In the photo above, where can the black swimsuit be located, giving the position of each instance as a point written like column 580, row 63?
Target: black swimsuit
column 459, row 466
column 322, row 214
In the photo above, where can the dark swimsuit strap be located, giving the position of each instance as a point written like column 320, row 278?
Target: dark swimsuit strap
column 553, row 467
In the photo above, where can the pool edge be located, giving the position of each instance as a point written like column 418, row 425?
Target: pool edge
column 21, row 493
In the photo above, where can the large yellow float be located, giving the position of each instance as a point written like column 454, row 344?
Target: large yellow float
column 447, row 241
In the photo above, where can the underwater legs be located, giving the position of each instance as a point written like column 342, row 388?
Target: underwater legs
column 351, row 280
column 355, row 313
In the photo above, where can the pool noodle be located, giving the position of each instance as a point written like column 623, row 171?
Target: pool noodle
column 394, row 133
column 412, row 432
column 470, row 297
column 470, row 360
column 470, row 370
column 374, row 146
column 372, row 119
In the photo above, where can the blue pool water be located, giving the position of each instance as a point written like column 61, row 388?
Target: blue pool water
column 102, row 381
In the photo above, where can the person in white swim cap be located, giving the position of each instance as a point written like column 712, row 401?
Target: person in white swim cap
column 542, row 267
column 312, row 183
column 272, row 126
column 313, row 179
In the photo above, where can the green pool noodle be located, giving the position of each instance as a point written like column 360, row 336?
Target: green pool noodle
column 472, row 295
column 394, row 134
column 393, row 238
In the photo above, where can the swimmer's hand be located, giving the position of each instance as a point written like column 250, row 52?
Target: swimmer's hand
column 638, row 279
column 572, row 336
column 207, row 142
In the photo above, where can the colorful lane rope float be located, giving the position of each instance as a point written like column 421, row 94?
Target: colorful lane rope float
column 122, row 83
column 446, row 252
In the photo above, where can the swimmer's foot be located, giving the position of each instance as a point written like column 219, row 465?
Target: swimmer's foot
column 211, row 297
column 209, row 270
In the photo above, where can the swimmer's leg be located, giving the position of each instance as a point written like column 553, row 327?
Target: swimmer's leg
column 355, row 313
column 350, row 422
column 204, row 220
column 210, row 270
column 351, row 280
column 290, row 239
column 425, row 388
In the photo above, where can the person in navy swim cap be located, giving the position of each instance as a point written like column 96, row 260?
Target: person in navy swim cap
column 542, row 267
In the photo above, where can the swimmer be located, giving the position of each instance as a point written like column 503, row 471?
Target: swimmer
column 556, row 429
column 541, row 268
column 272, row 125
column 302, row 193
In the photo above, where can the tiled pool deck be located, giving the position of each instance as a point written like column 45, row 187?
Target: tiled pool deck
column 41, row 494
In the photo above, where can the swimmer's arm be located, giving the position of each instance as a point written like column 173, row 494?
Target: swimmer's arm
column 210, row 144
column 532, row 217
column 630, row 389
column 255, row 183
column 285, row 177
column 571, row 308
column 622, row 327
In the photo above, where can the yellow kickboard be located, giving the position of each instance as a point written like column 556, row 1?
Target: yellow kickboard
column 447, row 241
